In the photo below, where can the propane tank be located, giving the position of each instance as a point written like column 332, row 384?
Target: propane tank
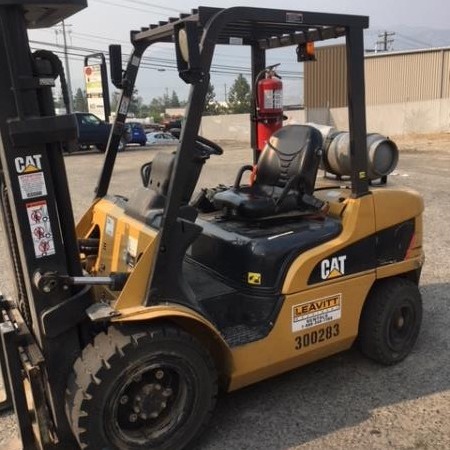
column 269, row 105
column 382, row 155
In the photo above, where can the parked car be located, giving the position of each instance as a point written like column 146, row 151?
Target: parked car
column 160, row 138
column 94, row 131
column 177, row 123
column 136, row 132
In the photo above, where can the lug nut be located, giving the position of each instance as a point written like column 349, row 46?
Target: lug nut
column 124, row 399
column 143, row 416
column 159, row 374
column 167, row 392
column 136, row 409
column 158, row 387
column 154, row 415
column 133, row 418
column 163, row 405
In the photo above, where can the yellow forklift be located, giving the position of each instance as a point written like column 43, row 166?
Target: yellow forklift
column 125, row 326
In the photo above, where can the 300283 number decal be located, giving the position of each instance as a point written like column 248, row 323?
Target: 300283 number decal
column 314, row 337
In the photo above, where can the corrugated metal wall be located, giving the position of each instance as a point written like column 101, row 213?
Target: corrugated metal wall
column 390, row 77
column 325, row 79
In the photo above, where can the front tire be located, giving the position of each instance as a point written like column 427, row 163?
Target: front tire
column 390, row 320
column 141, row 387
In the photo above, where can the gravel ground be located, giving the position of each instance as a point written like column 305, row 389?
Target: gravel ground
column 346, row 401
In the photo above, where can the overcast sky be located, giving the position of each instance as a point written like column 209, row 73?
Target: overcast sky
column 109, row 21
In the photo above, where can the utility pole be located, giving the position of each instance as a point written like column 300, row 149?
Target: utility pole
column 226, row 97
column 385, row 41
column 67, row 68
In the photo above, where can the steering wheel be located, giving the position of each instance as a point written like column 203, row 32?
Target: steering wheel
column 204, row 147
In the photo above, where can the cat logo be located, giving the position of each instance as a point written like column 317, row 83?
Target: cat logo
column 333, row 268
column 254, row 278
column 28, row 164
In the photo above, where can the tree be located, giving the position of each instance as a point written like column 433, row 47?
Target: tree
column 211, row 105
column 174, row 100
column 135, row 103
column 79, row 101
column 239, row 98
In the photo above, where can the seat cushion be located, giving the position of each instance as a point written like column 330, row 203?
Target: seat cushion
column 255, row 202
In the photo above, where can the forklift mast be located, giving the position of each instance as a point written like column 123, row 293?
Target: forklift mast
column 37, row 217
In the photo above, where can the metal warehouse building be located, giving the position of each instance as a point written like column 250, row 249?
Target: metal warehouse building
column 411, row 80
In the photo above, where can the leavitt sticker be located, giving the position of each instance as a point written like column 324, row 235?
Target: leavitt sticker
column 316, row 312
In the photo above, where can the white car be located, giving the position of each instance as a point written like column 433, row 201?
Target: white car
column 160, row 138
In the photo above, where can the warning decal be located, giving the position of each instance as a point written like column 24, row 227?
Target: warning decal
column 32, row 185
column 41, row 231
column 109, row 226
column 317, row 312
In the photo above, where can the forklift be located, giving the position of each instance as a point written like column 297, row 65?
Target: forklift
column 125, row 326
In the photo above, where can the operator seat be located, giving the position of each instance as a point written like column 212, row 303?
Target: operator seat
column 153, row 196
column 285, row 176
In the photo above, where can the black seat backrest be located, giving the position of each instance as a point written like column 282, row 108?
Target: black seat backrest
column 154, row 195
column 292, row 155
column 161, row 171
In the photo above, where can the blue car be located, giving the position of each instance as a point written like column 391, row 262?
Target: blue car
column 136, row 133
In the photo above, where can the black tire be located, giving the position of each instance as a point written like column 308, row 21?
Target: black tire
column 390, row 320
column 147, row 387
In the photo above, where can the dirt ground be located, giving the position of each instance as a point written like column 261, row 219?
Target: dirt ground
column 346, row 401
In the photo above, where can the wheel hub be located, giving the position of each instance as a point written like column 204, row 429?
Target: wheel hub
column 151, row 400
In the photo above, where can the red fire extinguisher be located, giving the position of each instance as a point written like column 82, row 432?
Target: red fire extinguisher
column 269, row 105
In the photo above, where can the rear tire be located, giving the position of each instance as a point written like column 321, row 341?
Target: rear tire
column 390, row 320
column 141, row 387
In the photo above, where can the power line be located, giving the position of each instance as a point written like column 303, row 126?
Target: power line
column 415, row 41
column 137, row 2
column 169, row 63
column 132, row 8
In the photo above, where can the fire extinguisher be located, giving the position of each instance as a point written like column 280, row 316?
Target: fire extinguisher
column 268, row 105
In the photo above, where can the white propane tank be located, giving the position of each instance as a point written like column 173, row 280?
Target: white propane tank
column 382, row 155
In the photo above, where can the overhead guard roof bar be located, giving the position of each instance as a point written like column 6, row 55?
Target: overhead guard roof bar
column 271, row 23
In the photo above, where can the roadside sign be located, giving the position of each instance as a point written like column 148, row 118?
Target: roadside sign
column 94, row 90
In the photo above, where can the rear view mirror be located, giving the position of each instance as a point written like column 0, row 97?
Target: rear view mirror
column 115, row 61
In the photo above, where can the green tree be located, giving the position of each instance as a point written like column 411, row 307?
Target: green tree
column 212, row 107
column 135, row 103
column 239, row 98
column 79, row 101
column 154, row 109
column 174, row 100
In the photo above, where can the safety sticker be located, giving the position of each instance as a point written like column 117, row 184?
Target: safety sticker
column 254, row 278
column 135, row 61
column 132, row 250
column 124, row 105
column 41, row 230
column 109, row 226
column 32, row 185
column 316, row 312
column 273, row 99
